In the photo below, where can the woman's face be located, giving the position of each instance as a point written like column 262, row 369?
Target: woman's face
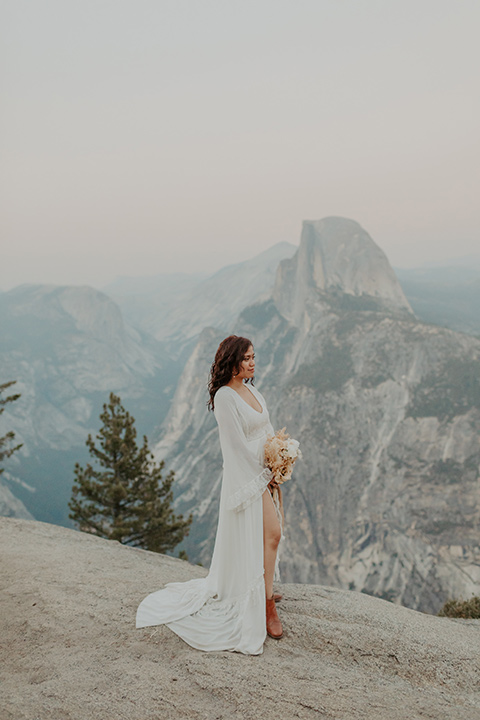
column 247, row 366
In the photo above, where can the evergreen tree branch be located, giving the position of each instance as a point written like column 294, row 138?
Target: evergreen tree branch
column 128, row 500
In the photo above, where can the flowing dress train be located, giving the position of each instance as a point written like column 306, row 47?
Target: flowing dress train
column 226, row 609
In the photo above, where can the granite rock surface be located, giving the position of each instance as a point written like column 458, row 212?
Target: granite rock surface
column 70, row 650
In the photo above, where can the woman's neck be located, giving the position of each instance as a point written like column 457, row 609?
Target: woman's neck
column 236, row 384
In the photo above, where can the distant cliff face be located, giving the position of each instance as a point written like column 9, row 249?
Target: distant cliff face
column 61, row 344
column 178, row 314
column 67, row 348
column 387, row 410
column 336, row 256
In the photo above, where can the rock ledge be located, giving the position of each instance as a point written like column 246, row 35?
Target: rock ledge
column 70, row 650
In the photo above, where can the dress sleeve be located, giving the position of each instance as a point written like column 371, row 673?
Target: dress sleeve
column 247, row 477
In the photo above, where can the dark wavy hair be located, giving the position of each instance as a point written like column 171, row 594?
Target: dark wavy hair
column 228, row 358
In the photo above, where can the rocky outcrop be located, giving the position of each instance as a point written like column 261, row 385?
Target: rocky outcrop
column 336, row 256
column 387, row 410
column 70, row 649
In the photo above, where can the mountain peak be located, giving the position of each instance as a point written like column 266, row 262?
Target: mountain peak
column 336, row 255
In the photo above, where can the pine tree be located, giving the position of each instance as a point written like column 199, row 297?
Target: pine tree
column 126, row 499
column 7, row 439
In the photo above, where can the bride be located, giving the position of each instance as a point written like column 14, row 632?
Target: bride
column 233, row 608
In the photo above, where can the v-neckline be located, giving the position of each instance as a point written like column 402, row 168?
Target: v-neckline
column 246, row 403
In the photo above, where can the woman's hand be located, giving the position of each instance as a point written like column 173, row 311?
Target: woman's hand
column 272, row 485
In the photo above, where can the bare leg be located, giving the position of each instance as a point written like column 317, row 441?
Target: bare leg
column 271, row 537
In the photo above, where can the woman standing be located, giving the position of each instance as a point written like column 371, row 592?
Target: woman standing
column 233, row 608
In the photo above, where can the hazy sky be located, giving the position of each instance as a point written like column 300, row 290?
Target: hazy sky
column 148, row 136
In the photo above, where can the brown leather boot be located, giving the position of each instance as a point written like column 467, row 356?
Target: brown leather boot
column 274, row 626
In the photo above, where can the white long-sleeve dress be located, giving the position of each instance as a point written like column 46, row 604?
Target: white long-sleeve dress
column 226, row 609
